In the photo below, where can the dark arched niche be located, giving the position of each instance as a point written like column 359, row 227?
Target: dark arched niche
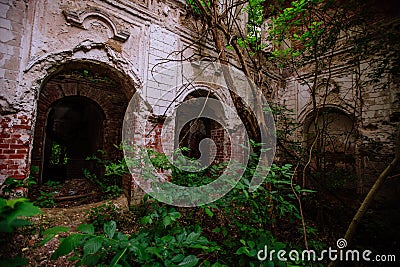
column 335, row 125
column 331, row 135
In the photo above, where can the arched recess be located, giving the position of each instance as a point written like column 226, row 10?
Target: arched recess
column 99, row 74
column 197, row 127
column 330, row 133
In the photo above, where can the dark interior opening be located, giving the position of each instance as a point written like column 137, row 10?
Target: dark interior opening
column 191, row 135
column 199, row 128
column 74, row 131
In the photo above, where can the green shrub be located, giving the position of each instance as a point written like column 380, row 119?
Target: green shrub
column 236, row 226
column 109, row 183
column 161, row 242
column 46, row 200
column 98, row 216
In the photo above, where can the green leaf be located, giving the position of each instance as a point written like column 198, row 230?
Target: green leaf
column 208, row 212
column 12, row 202
column 205, row 248
column 91, row 259
column 67, row 245
column 217, row 230
column 167, row 221
column 122, row 237
column 181, row 237
column 55, row 230
column 47, row 239
column 251, row 244
column 308, row 191
column 242, row 250
column 22, row 208
column 109, row 229
column 74, row 258
column 146, row 220
column 252, row 252
column 224, row 232
column 19, row 223
column 86, row 228
column 51, row 233
column 156, row 251
column 93, row 245
column 192, row 237
column 11, row 210
column 174, row 215
column 168, row 239
column 189, row 261
column 178, row 258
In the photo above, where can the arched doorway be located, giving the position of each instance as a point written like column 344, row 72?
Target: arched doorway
column 74, row 131
column 80, row 110
column 196, row 124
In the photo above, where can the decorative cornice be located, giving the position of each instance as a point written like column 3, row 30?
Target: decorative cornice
column 77, row 19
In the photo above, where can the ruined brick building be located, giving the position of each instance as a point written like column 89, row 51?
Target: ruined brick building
column 68, row 65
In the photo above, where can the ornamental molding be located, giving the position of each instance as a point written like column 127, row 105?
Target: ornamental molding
column 77, row 19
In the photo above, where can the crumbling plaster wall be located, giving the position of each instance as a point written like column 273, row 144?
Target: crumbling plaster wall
column 373, row 107
column 39, row 37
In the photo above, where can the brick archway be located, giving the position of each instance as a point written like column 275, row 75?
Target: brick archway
column 95, row 81
column 197, row 129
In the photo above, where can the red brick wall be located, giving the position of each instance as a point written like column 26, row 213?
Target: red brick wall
column 225, row 151
column 15, row 139
column 223, row 145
